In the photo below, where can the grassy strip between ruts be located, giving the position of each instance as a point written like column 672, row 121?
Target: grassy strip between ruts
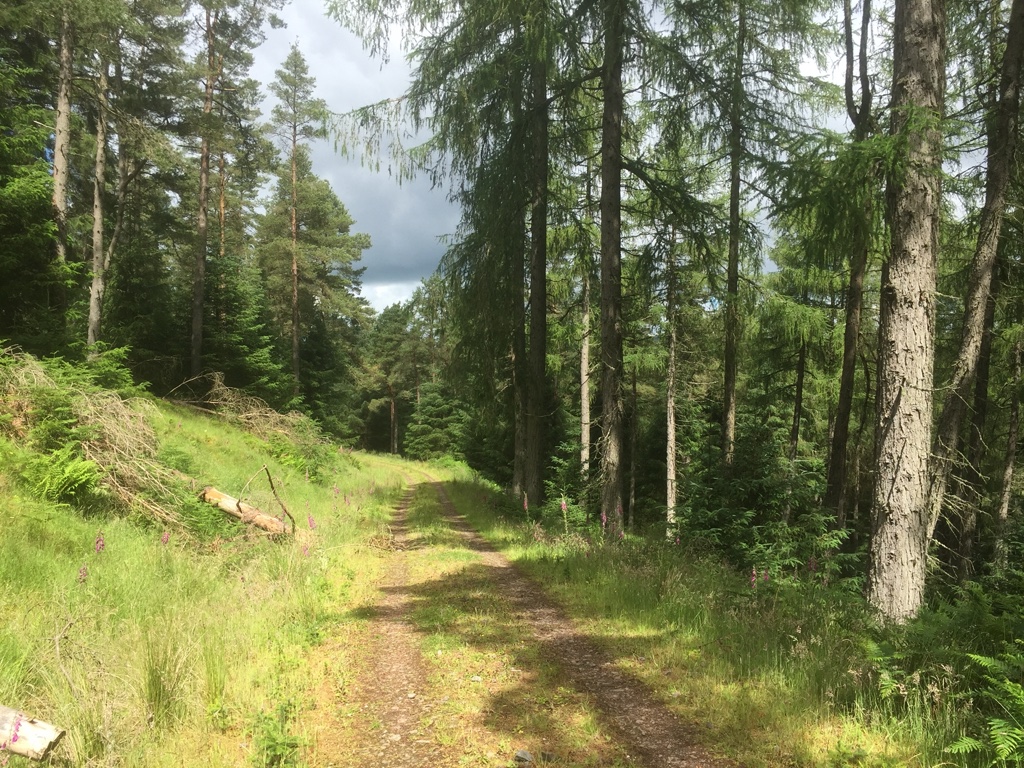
column 151, row 650
column 497, row 693
column 750, row 662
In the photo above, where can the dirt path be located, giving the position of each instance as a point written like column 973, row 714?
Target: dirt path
column 390, row 719
column 386, row 721
column 649, row 729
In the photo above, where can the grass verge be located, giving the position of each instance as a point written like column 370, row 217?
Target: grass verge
column 154, row 645
column 777, row 669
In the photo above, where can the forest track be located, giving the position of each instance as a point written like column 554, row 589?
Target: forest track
column 386, row 718
column 390, row 722
column 628, row 707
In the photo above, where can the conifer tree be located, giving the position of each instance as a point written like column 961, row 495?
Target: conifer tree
column 900, row 508
column 297, row 118
column 1002, row 134
column 230, row 31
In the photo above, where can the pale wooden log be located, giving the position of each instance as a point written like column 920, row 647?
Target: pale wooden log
column 245, row 512
column 26, row 736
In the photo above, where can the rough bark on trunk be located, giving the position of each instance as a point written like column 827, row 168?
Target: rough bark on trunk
column 899, row 543
column 536, row 405
column 99, row 257
column 611, row 267
column 62, row 133
column 732, row 310
column 1002, row 141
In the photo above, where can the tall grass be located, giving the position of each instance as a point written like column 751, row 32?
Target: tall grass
column 782, row 669
column 152, row 645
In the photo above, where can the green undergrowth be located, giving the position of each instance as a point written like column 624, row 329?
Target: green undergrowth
column 180, row 639
column 778, row 669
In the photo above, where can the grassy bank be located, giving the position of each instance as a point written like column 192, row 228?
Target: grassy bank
column 177, row 639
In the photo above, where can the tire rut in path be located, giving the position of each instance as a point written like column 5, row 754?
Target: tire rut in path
column 390, row 692
column 627, row 706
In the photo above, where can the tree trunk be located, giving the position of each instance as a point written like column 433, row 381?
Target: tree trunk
column 732, row 310
column 611, row 267
column 295, row 264
column 536, row 401
column 247, row 513
column 977, row 449
column 520, row 388
column 798, row 401
column 1000, row 555
column 125, row 172
column 585, row 377
column 222, row 207
column 1002, row 141
column 99, row 277
column 907, row 316
column 670, row 397
column 202, row 225
column 62, row 133
column 836, row 491
column 634, row 434
column 222, row 244
column 851, row 504
column 393, row 403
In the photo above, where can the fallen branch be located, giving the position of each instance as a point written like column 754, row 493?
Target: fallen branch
column 25, row 736
column 245, row 512
column 271, row 481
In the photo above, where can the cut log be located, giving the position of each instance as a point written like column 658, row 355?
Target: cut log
column 247, row 513
column 25, row 736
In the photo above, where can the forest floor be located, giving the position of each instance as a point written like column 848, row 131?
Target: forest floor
column 461, row 659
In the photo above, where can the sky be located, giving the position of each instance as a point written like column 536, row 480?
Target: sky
column 405, row 222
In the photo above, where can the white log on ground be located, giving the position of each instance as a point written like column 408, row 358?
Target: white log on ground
column 26, row 736
column 245, row 512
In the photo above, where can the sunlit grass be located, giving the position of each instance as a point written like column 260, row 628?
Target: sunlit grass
column 767, row 670
column 160, row 649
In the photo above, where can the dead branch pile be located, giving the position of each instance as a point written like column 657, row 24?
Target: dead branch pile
column 125, row 446
column 254, row 414
column 117, row 437
column 292, row 433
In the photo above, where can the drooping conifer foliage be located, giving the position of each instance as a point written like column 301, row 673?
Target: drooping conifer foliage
column 755, row 279
column 696, row 291
column 739, row 274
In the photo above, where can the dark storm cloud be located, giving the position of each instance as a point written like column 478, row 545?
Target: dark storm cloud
column 403, row 221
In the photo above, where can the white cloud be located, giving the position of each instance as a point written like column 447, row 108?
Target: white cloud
column 383, row 295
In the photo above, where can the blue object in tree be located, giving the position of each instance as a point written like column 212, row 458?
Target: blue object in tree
column 48, row 152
